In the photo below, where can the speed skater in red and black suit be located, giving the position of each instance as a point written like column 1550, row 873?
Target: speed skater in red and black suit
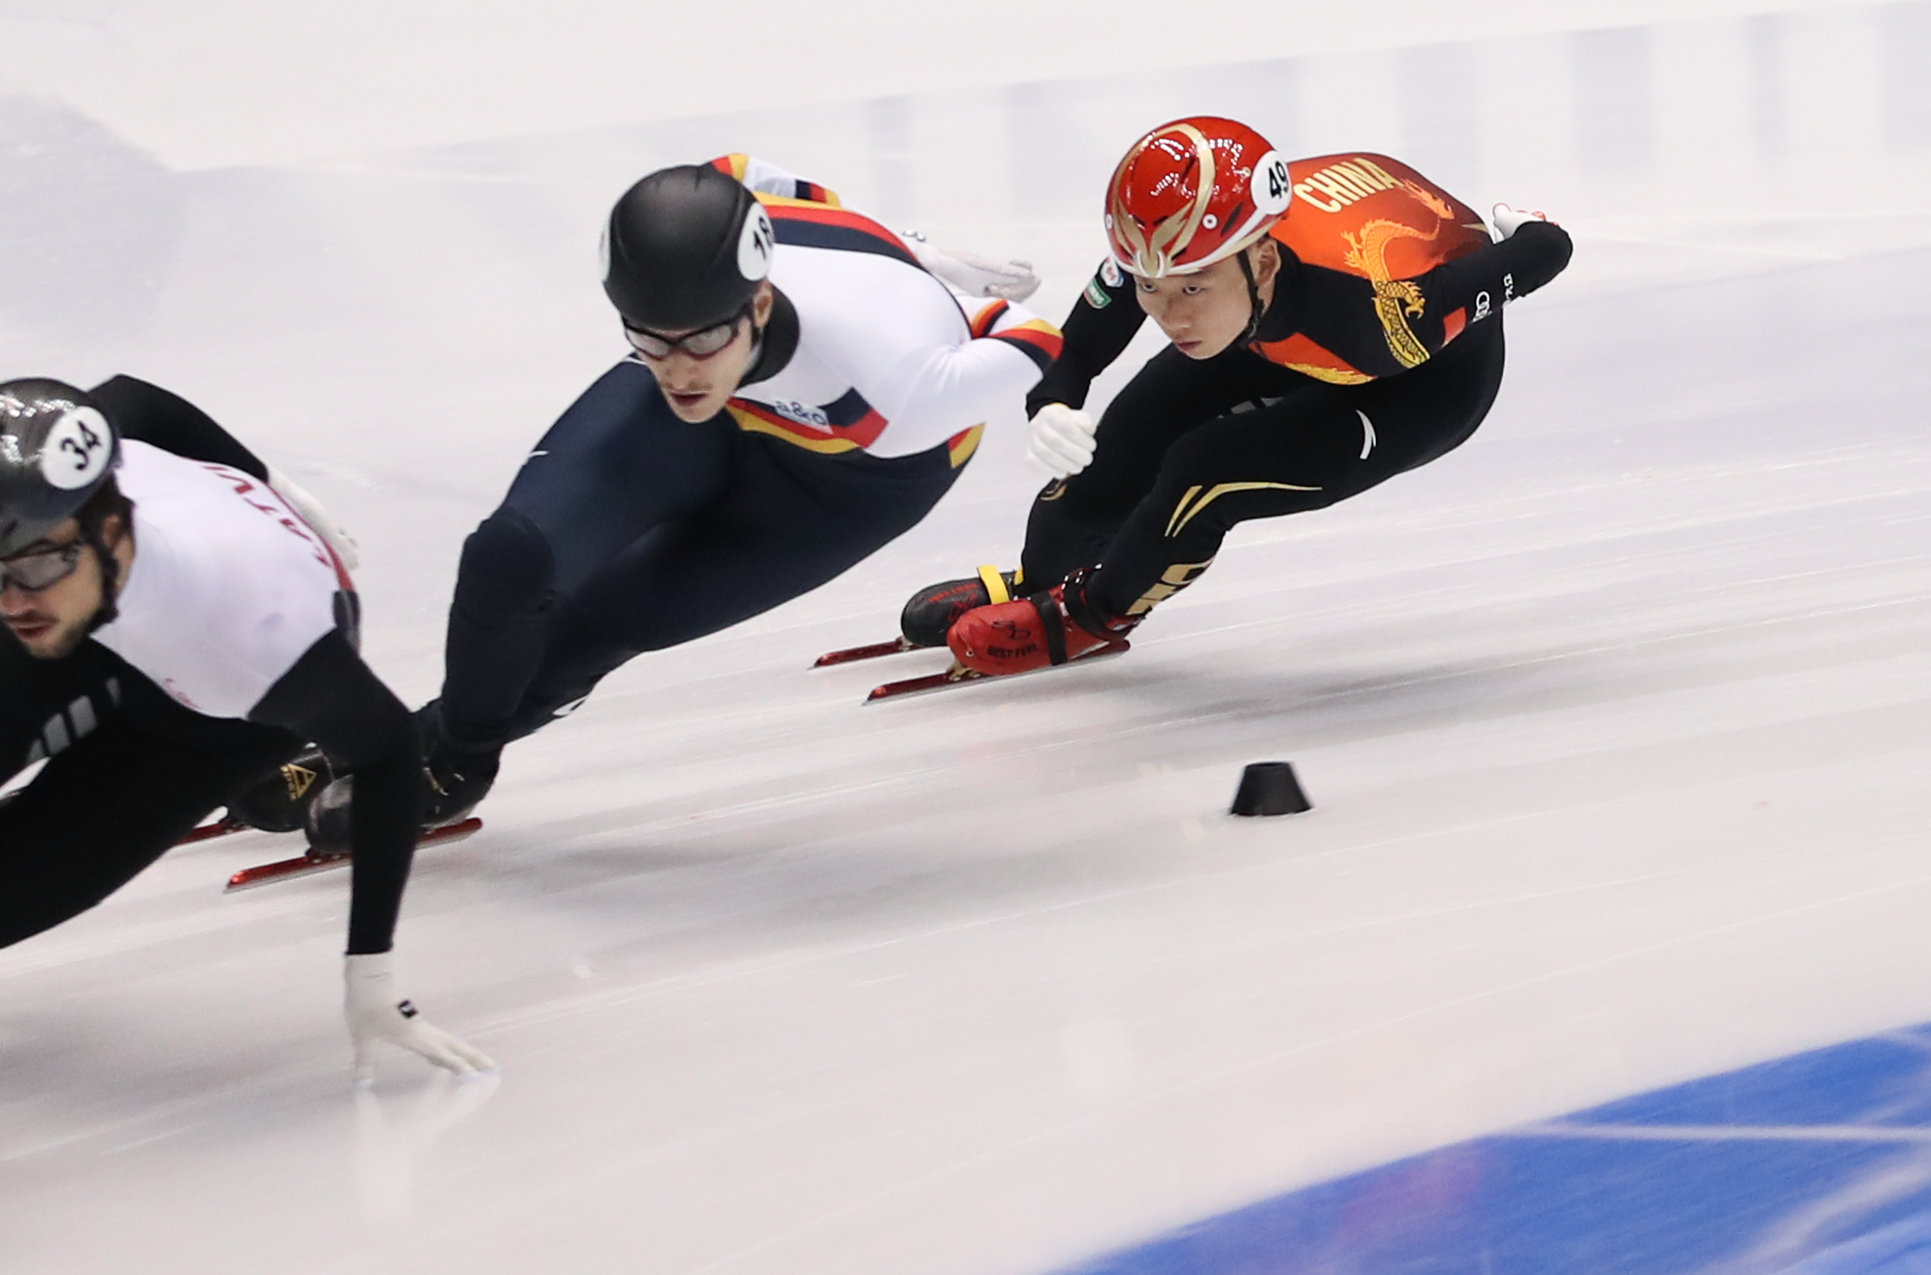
column 1334, row 322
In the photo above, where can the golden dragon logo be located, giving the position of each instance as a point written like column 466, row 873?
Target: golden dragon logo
column 1396, row 300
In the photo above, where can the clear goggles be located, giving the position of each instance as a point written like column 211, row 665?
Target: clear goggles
column 40, row 568
column 701, row 344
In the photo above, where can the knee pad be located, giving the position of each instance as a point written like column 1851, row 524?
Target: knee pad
column 506, row 568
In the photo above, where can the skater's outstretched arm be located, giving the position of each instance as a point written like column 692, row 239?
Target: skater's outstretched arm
column 933, row 395
column 1480, row 283
column 330, row 696
column 1101, row 324
column 168, row 421
column 1381, row 326
column 957, row 387
column 971, row 274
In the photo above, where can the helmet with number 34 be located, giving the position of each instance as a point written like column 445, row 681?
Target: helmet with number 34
column 56, row 450
column 1192, row 193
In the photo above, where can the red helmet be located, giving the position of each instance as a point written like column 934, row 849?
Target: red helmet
column 1191, row 193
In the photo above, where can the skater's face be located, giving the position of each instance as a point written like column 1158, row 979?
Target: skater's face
column 1205, row 312
column 698, row 385
column 52, row 620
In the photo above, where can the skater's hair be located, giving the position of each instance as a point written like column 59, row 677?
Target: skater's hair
column 107, row 502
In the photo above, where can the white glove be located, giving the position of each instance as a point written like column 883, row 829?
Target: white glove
column 375, row 1013
column 1509, row 220
column 1062, row 439
column 972, row 274
column 302, row 502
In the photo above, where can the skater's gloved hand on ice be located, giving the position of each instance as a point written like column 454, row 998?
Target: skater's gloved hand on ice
column 972, row 274
column 376, row 1013
column 1061, row 439
column 304, row 503
column 1509, row 219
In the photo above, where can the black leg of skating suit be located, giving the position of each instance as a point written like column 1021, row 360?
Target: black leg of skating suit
column 497, row 625
column 1190, row 448
column 629, row 530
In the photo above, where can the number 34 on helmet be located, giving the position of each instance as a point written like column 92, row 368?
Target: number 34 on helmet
column 1192, row 193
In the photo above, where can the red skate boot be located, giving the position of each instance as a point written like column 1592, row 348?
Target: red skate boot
column 1036, row 632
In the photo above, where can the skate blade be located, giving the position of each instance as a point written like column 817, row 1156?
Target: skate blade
column 308, row 865
column 959, row 675
column 852, row 654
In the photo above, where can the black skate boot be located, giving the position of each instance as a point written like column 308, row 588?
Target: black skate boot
column 454, row 783
column 933, row 610
column 454, row 779
column 327, row 822
column 279, row 800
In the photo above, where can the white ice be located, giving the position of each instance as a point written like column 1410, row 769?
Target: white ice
column 1616, row 720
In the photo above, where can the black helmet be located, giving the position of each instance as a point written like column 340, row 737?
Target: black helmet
column 686, row 248
column 56, row 450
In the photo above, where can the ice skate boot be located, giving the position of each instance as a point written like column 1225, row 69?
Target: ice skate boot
column 327, row 818
column 450, row 793
column 455, row 782
column 1034, row 632
column 279, row 800
column 454, row 779
column 933, row 610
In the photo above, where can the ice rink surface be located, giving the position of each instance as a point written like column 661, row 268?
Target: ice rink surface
column 1616, row 720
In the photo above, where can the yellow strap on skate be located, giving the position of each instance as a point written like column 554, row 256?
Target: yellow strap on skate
column 995, row 584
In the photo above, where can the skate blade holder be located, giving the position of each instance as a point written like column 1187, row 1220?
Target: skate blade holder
column 309, row 864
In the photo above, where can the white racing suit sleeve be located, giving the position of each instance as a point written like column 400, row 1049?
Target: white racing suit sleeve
column 956, row 387
column 376, row 1014
column 973, row 275
column 320, row 521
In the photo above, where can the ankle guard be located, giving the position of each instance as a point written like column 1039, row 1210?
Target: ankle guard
column 1080, row 610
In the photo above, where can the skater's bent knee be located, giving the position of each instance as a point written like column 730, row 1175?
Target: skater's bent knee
column 506, row 566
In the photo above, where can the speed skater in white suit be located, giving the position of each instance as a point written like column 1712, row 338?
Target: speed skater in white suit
column 803, row 386
column 182, row 622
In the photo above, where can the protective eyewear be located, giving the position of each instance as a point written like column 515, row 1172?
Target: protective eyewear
column 40, row 569
column 701, row 344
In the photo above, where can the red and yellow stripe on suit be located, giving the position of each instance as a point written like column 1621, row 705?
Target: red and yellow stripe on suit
column 741, row 167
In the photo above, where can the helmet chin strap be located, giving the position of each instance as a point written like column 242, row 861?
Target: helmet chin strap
column 109, row 610
column 1255, row 310
column 757, row 351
